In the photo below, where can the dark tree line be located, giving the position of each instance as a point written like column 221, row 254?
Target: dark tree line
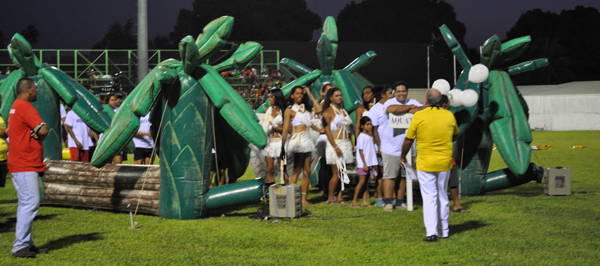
column 569, row 40
column 30, row 33
column 265, row 20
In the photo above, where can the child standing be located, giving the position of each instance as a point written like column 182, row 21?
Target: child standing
column 366, row 159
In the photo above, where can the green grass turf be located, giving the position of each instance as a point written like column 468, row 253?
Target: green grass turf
column 516, row 226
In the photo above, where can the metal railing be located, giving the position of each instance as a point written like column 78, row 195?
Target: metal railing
column 76, row 62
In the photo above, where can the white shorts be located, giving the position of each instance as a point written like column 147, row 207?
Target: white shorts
column 273, row 148
column 299, row 143
column 345, row 146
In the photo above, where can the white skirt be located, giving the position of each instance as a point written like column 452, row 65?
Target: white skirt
column 345, row 146
column 273, row 148
column 299, row 143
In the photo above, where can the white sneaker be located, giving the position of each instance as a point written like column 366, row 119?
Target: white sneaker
column 388, row 207
column 402, row 206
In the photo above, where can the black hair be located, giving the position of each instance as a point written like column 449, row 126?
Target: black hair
column 400, row 83
column 23, row 84
column 290, row 101
column 444, row 100
column 327, row 103
column 366, row 104
column 363, row 121
column 107, row 97
column 323, row 88
column 380, row 90
column 279, row 99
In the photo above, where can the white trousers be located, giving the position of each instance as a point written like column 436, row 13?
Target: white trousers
column 436, row 209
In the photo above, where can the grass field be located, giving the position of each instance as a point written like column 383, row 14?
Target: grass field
column 517, row 226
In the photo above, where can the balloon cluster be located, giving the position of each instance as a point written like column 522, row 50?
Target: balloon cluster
column 468, row 97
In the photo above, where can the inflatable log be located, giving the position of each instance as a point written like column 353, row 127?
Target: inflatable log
column 112, row 187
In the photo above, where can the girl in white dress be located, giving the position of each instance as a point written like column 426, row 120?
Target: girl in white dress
column 366, row 160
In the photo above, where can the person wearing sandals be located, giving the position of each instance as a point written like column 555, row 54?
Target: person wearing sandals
column 338, row 128
column 366, row 160
column 453, row 179
column 272, row 124
column 300, row 145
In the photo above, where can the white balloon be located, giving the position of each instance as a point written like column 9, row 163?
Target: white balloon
column 441, row 85
column 478, row 73
column 468, row 98
column 454, row 97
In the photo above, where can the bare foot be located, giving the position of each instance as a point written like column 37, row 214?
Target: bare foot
column 306, row 203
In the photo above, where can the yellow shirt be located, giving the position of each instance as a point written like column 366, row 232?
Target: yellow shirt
column 433, row 129
column 3, row 144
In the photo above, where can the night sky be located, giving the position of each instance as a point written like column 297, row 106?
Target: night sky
column 68, row 24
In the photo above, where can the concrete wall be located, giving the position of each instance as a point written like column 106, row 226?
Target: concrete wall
column 564, row 112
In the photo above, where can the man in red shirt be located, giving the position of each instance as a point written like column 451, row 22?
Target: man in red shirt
column 27, row 131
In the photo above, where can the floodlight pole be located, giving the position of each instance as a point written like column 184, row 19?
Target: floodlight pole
column 142, row 39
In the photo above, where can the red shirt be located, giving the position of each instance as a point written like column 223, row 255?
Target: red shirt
column 25, row 154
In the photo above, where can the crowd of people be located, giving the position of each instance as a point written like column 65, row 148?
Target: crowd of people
column 377, row 148
column 252, row 85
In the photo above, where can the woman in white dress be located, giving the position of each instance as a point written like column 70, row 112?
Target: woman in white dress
column 298, row 117
column 338, row 128
column 272, row 124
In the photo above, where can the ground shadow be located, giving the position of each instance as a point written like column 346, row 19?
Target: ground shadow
column 466, row 226
column 7, row 201
column 9, row 225
column 527, row 190
column 64, row 242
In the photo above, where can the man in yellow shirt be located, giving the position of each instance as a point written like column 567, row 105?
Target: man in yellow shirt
column 435, row 127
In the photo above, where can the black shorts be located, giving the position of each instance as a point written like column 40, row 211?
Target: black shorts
column 141, row 153
column 453, row 180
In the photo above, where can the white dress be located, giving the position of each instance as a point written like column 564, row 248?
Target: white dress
column 273, row 147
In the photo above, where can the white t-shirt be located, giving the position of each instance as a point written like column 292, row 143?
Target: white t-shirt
column 80, row 130
column 391, row 142
column 144, row 141
column 63, row 113
column 375, row 112
column 365, row 143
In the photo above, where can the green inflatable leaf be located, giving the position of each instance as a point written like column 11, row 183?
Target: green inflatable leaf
column 189, row 55
column 22, row 55
column 242, row 56
column 455, row 47
column 325, row 55
column 527, row 66
column 490, row 51
column 350, row 89
column 212, row 38
column 233, row 107
column 510, row 129
column 9, row 91
column 295, row 67
column 124, row 126
column 513, row 49
column 330, row 29
column 360, row 62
